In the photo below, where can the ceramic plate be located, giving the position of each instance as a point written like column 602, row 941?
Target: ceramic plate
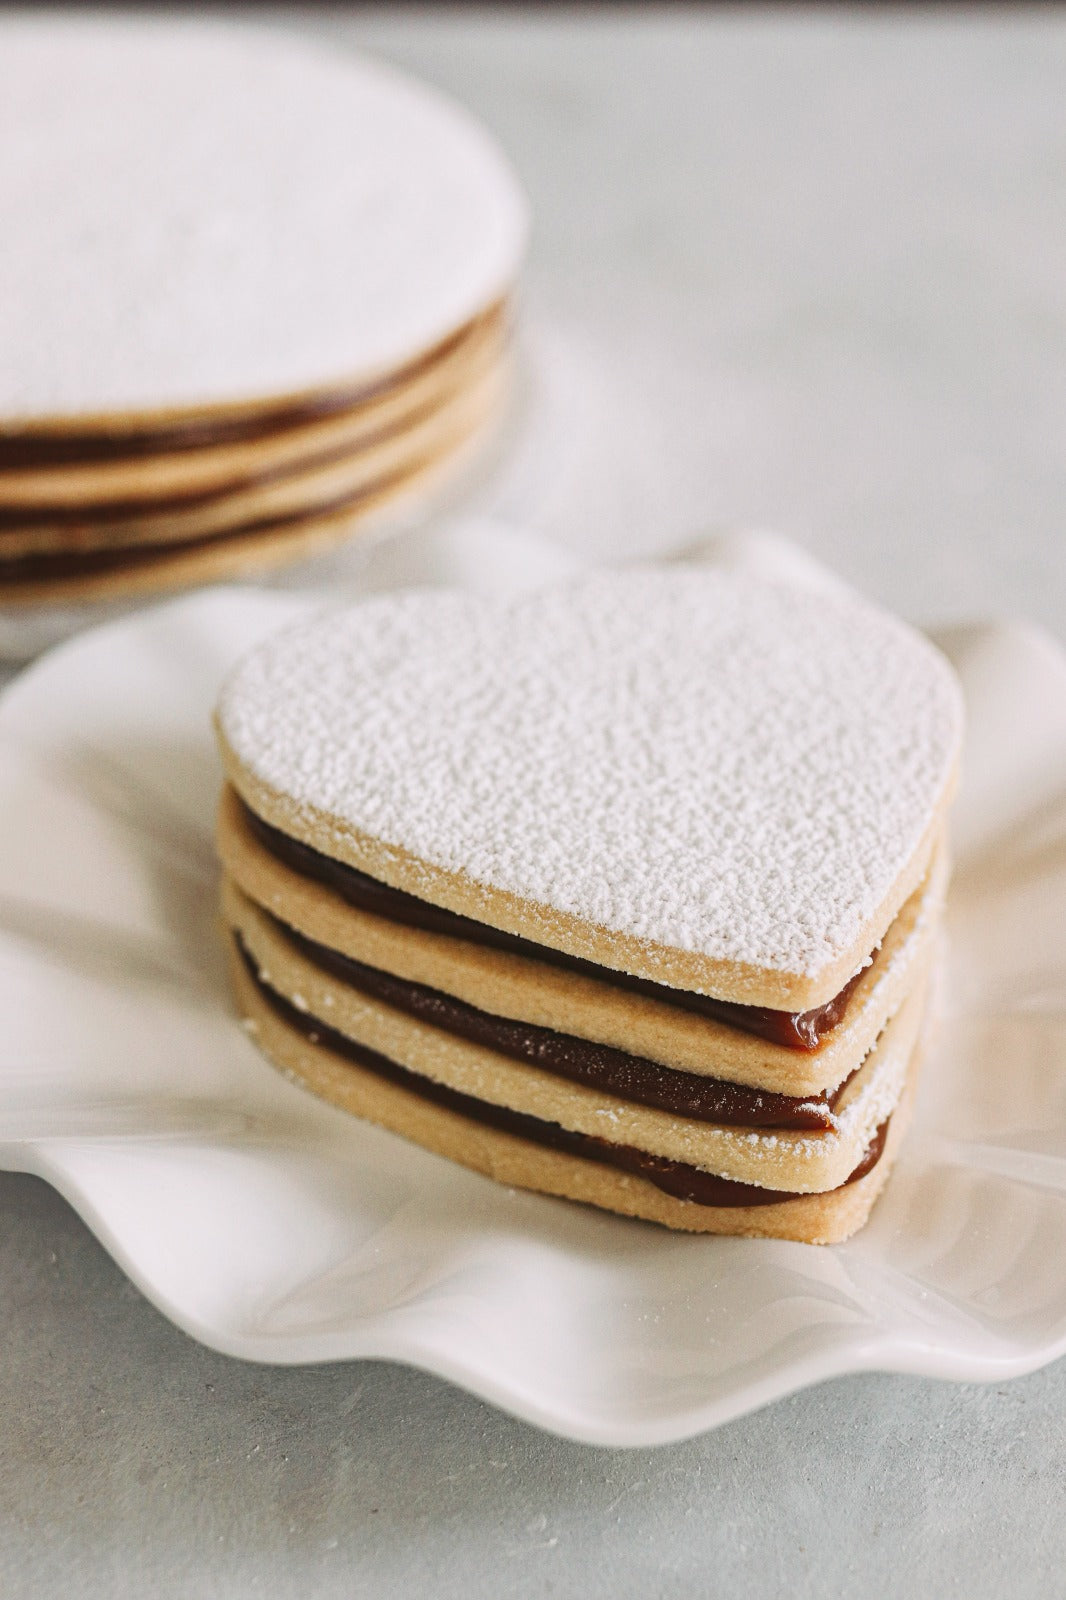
column 275, row 1228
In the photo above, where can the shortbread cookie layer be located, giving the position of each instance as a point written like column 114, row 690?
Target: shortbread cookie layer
column 711, row 781
column 301, row 491
column 583, row 1005
column 197, row 214
column 790, row 1160
column 824, row 1218
column 248, row 552
column 45, row 476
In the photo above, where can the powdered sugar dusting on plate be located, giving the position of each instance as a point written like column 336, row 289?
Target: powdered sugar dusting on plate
column 717, row 764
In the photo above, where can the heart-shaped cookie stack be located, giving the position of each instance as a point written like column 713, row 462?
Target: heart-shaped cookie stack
column 626, row 891
column 253, row 292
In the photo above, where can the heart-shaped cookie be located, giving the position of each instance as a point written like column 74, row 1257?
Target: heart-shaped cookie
column 649, row 860
column 710, row 781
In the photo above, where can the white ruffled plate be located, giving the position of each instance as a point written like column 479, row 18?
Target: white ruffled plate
column 277, row 1229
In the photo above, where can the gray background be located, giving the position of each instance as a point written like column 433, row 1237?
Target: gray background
column 820, row 262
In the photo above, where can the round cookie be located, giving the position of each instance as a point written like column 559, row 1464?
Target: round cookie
column 85, row 474
column 234, row 215
column 707, row 780
column 299, row 491
column 245, row 552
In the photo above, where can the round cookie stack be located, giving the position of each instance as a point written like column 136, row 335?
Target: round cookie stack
column 252, row 293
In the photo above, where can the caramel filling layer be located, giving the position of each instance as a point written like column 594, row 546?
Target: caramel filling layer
column 629, row 1077
column 675, row 1178
column 122, row 558
column 70, row 521
column 796, row 1030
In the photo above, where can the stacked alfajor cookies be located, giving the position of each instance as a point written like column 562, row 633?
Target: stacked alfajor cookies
column 627, row 891
column 253, row 294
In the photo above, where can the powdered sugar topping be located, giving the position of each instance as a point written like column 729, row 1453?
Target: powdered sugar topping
column 195, row 212
column 713, row 763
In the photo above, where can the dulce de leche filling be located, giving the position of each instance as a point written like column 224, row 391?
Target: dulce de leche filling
column 72, row 563
column 674, row 1178
column 616, row 1072
column 796, row 1030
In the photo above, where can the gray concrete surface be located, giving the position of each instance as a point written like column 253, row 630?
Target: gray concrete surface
column 826, row 255
column 137, row 1463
